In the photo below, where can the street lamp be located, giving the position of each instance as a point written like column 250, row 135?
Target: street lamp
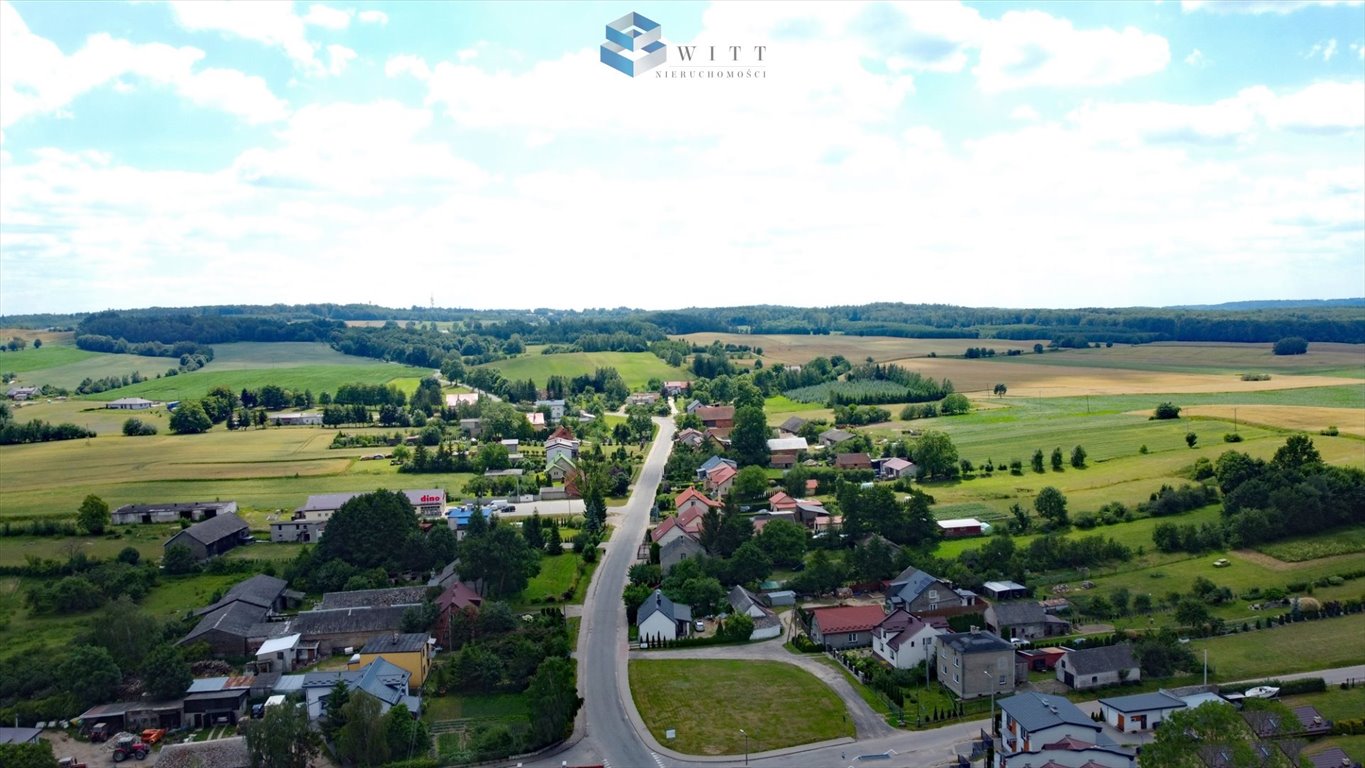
column 988, row 673
column 746, row 745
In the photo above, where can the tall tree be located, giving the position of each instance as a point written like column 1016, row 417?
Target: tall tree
column 936, row 455
column 189, row 418
column 165, row 673
column 362, row 740
column 554, row 700
column 89, row 674
column 372, row 529
column 93, row 515
column 282, row 738
column 501, row 558
column 1050, row 504
column 749, row 438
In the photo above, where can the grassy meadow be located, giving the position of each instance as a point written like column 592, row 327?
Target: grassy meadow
column 709, row 701
column 636, row 368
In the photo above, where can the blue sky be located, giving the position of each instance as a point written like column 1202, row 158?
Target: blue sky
column 1005, row 154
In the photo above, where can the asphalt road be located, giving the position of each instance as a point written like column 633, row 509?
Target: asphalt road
column 608, row 735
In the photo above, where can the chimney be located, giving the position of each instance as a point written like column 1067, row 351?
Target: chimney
column 975, row 629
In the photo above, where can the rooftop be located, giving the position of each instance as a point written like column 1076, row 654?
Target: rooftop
column 216, row 528
column 219, row 753
column 1107, row 658
column 412, row 642
column 848, row 618
column 975, row 642
column 1143, row 702
column 372, row 598
column 1035, row 712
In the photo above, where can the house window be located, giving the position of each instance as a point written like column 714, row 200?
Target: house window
column 956, row 678
column 955, row 662
column 1094, row 678
column 852, row 637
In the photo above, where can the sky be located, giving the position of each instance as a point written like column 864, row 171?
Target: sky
column 1016, row 154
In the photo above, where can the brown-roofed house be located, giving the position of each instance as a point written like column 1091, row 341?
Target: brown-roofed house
column 722, row 416
column 852, row 461
column 845, row 626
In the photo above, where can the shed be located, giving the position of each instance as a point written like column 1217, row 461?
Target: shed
column 213, row 536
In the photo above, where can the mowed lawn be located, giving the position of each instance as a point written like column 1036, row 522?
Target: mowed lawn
column 555, row 578
column 707, row 702
column 636, row 368
column 1299, row 647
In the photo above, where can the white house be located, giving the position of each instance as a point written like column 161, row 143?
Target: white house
column 296, row 419
column 1038, row 730
column 1140, row 712
column 766, row 623
column 129, row 404
column 903, row 640
column 662, row 619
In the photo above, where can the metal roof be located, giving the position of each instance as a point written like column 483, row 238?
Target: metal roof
column 1036, row 712
column 1143, row 702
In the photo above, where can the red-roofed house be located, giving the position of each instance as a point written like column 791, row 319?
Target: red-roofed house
column 812, row 485
column 459, row 597
column 722, row 416
column 675, row 388
column 689, row 437
column 781, row 502
column 537, row 419
column 671, row 528
column 719, row 480
column 691, row 498
column 845, row 626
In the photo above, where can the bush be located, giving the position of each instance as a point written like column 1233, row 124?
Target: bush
column 1291, row 345
column 1167, row 411
column 1330, row 432
column 138, row 428
column 1232, row 437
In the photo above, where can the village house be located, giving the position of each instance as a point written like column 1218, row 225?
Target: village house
column 296, row 531
column 719, row 480
column 919, row 592
column 659, row 618
column 556, row 408
column 296, row 419
column 895, row 468
column 904, row 640
column 1140, row 712
column 536, row 419
column 642, row 398
column 386, row 682
column 675, row 388
column 691, row 499
column 677, row 549
column 766, row 623
column 23, row 393
column 845, row 626
column 973, row 664
column 458, row 597
column 284, row 654
column 784, row 451
column 560, row 468
column 412, row 651
column 712, row 463
column 1097, row 667
column 685, row 523
column 171, row 512
column 689, row 437
column 1039, row 730
column 212, row 536
column 781, row 501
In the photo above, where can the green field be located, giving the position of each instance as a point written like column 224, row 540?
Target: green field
column 636, row 368
column 707, row 702
column 1304, row 646
column 555, row 578
column 1300, row 549
column 66, row 366
column 1193, row 357
column 262, row 470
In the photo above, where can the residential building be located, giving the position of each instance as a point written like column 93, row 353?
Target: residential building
column 712, row 463
column 171, row 512
column 459, row 597
column 719, row 481
column 556, row 408
column 766, row 623
column 719, row 416
column 474, row 427
column 781, row 501
column 536, row 419
column 685, row 523
column 1096, row 667
column 678, row 548
column 675, row 388
column 1039, row 730
column 784, row 451
column 845, row 626
column 457, row 399
column 691, row 499
column 428, row 503
column 919, row 592
column 852, row 461
column 23, row 393
column 1140, row 712
column 412, row 651
column 129, row 404
column 659, row 618
column 560, row 468
column 642, row 398
column 558, row 446
column 212, row 536
column 297, row 531
column 973, row 664
column 896, row 468
column 1025, row 620
column 692, row 438
column 904, row 640
column 387, row 682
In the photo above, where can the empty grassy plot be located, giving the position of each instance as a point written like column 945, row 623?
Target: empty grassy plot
column 146, row 539
column 49, row 356
column 1309, row 645
column 1245, row 572
column 557, row 576
column 66, row 367
column 318, row 378
column 1133, row 534
column 1342, row 541
column 636, row 368
column 707, row 702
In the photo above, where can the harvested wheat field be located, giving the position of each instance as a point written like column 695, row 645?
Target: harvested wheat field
column 1043, row 380
column 801, row 349
column 1349, row 421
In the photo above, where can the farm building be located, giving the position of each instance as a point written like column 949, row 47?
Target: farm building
column 1096, row 667
column 300, row 419
column 226, row 625
column 284, row 654
column 718, row 416
column 170, row 512
column 895, row 468
column 213, row 536
column 384, row 681
column 216, row 700
column 1140, row 712
column 852, row 461
column 129, row 404
column 336, row 629
column 23, row 393
column 425, row 503
column 220, row 753
column 966, row 526
column 783, row 451
column 1005, row 590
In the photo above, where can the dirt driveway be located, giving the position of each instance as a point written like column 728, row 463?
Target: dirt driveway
column 92, row 755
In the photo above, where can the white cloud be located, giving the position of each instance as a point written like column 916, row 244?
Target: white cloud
column 338, row 56
column 1258, row 7
column 1359, row 50
column 407, row 64
column 37, row 78
column 1030, row 48
column 1326, row 50
column 1026, row 113
column 327, row 17
column 270, row 23
column 1326, row 107
column 374, row 17
column 1197, row 59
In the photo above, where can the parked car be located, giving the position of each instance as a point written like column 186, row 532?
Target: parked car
column 699, row 625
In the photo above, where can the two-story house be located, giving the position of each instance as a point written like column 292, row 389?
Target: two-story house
column 1039, row 730
column 974, row 664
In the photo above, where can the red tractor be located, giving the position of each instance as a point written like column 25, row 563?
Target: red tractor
column 99, row 732
column 130, row 746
